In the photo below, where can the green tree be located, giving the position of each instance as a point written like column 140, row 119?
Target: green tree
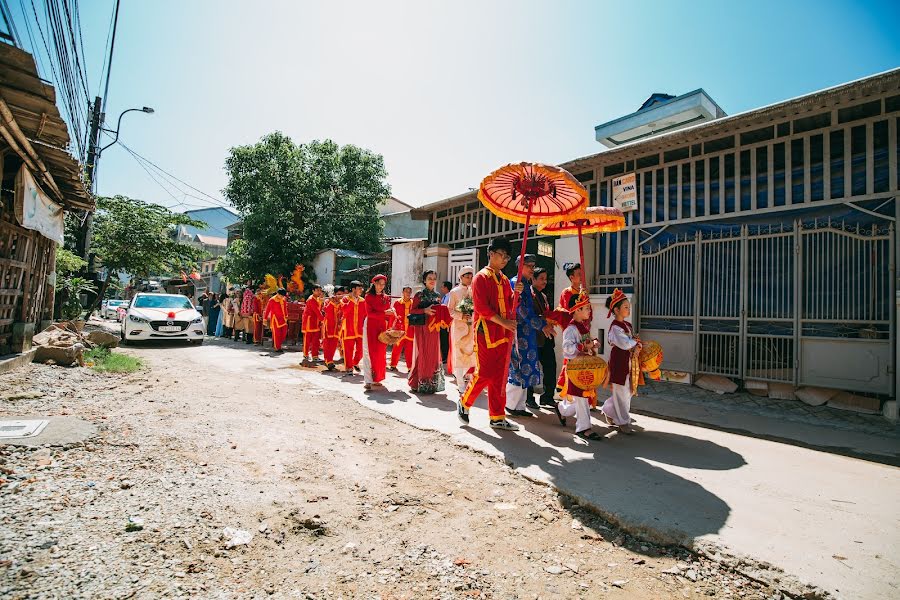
column 136, row 237
column 235, row 264
column 298, row 199
column 68, row 262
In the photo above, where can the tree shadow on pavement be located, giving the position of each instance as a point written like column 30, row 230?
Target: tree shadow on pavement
column 615, row 477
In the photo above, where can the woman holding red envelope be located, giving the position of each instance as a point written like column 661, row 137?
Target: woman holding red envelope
column 426, row 375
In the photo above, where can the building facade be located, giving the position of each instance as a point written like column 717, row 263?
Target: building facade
column 763, row 245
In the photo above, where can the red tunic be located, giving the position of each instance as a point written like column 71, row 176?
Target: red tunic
column 491, row 295
column 401, row 321
column 276, row 315
column 312, row 315
column 354, row 317
column 332, row 320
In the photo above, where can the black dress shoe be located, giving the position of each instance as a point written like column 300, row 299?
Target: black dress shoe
column 518, row 413
column 530, row 403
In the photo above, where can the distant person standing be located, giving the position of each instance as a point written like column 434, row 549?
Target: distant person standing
column 546, row 344
column 213, row 311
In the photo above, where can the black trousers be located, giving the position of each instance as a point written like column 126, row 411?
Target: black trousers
column 547, row 356
column 445, row 344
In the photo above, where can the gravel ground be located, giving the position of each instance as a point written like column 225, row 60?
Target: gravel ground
column 334, row 500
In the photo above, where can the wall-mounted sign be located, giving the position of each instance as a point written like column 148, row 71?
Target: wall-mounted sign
column 624, row 193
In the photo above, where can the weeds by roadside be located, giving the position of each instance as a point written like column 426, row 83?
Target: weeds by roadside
column 103, row 360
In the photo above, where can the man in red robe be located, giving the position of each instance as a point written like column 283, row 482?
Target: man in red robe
column 312, row 325
column 492, row 300
column 576, row 283
column 354, row 309
column 333, row 319
column 259, row 311
column 276, row 317
column 401, row 322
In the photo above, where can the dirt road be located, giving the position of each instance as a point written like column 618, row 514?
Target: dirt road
column 341, row 502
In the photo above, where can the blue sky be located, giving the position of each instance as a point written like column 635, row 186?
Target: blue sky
column 446, row 91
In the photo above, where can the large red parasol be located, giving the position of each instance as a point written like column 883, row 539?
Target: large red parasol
column 596, row 219
column 532, row 193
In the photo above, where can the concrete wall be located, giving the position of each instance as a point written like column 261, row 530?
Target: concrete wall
column 407, row 261
column 323, row 266
column 436, row 260
column 402, row 225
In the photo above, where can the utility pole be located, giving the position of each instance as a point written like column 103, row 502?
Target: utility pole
column 97, row 118
column 84, row 238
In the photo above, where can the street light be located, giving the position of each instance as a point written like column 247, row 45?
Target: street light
column 145, row 109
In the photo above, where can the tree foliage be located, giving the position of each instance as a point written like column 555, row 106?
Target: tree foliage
column 132, row 236
column 136, row 237
column 68, row 262
column 235, row 264
column 298, row 199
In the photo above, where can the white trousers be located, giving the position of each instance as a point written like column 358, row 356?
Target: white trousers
column 618, row 405
column 460, row 375
column 578, row 407
column 515, row 397
column 366, row 359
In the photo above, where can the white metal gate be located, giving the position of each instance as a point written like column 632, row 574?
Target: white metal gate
column 457, row 259
column 807, row 303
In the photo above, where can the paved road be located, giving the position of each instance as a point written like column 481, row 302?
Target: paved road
column 830, row 520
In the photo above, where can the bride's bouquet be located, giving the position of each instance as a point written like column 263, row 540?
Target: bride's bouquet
column 465, row 306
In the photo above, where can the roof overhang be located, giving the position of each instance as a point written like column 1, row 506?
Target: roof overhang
column 30, row 124
column 685, row 110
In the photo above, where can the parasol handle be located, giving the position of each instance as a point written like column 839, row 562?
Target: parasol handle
column 581, row 254
column 515, row 303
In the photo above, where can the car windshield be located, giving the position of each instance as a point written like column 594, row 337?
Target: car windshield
column 162, row 302
column 117, row 302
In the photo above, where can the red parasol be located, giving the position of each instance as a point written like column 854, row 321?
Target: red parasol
column 532, row 193
column 596, row 219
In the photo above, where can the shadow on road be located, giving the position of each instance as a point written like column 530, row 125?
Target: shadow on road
column 615, row 476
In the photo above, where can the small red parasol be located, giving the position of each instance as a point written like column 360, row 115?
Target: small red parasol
column 532, row 193
column 596, row 219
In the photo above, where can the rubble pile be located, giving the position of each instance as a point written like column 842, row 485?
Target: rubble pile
column 64, row 343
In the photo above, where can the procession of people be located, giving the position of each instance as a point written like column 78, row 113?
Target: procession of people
column 500, row 339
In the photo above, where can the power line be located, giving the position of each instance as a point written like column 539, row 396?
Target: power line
column 105, row 50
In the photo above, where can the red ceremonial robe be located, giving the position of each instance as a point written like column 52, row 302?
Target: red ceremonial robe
column 401, row 322
column 491, row 295
column 354, row 310
column 332, row 330
column 276, row 315
column 312, row 327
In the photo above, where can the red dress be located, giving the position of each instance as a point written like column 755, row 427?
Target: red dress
column 276, row 315
column 425, row 376
column 401, row 322
column 583, row 326
column 491, row 295
column 375, row 350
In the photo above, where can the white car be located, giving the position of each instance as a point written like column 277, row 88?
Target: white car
column 109, row 308
column 162, row 317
